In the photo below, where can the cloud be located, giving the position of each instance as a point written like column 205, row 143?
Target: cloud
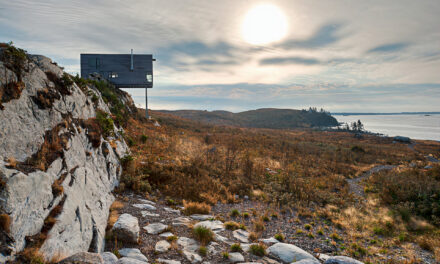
column 324, row 36
column 289, row 60
column 389, row 48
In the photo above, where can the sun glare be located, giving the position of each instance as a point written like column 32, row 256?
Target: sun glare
column 263, row 24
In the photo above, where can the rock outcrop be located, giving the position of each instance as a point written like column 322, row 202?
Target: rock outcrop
column 58, row 165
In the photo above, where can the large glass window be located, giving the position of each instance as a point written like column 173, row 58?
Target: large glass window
column 149, row 77
column 113, row 75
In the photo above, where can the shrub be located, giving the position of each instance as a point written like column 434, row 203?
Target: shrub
column 280, row 237
column 259, row 226
column 307, row 226
column 105, row 122
column 171, row 238
column 195, row 208
column 203, row 235
column 5, row 222
column 234, row 213
column 13, row 58
column 225, row 255
column 258, row 249
column 245, row 215
column 335, row 236
column 231, row 225
column 203, row 251
column 253, row 236
column 311, row 235
column 236, row 248
column 320, row 232
column 144, row 138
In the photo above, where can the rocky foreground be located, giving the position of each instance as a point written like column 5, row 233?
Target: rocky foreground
column 151, row 232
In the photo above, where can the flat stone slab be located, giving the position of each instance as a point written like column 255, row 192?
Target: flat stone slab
column 146, row 213
column 155, row 228
column 171, row 210
column 188, row 244
column 201, row 217
column 166, row 234
column 288, row 253
column 144, row 206
column 83, row 257
column 342, row 260
column 307, row 261
column 145, row 201
column 168, row 261
column 235, row 257
column 126, row 260
column 270, row 240
column 181, row 221
column 133, row 253
column 126, row 228
column 213, row 225
column 241, row 235
column 192, row 257
column 162, row 246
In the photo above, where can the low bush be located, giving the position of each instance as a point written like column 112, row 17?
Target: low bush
column 258, row 249
column 195, row 208
column 234, row 213
column 203, row 235
column 280, row 237
column 236, row 248
column 231, row 225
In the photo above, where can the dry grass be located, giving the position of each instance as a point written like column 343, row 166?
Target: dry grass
column 195, row 208
column 5, row 222
column 114, row 213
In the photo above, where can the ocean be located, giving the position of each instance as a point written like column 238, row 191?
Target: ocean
column 416, row 126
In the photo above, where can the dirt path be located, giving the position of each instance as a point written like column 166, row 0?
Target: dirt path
column 354, row 184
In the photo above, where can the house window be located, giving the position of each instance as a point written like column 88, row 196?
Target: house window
column 113, row 75
column 149, row 77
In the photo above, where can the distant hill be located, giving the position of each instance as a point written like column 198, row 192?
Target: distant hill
column 260, row 118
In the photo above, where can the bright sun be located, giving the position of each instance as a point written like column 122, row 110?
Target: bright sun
column 263, row 24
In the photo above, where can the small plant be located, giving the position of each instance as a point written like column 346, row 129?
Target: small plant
column 335, row 236
column 274, row 215
column 253, row 236
column 203, row 251
column 242, row 227
column 320, row 232
column 308, row 226
column 259, row 226
column 266, row 218
column 280, row 237
column 245, row 215
column 258, row 249
column 203, row 235
column 299, row 231
column 225, row 255
column 171, row 238
column 144, row 138
column 311, row 235
column 105, row 122
column 195, row 208
column 234, row 213
column 236, row 248
column 231, row 225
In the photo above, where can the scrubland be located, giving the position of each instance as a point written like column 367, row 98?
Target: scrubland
column 304, row 171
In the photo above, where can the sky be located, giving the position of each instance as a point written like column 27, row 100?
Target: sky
column 341, row 55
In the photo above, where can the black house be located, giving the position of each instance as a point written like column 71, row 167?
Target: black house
column 123, row 70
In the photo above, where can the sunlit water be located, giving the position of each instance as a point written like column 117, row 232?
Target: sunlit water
column 414, row 126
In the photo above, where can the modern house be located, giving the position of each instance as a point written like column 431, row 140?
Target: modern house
column 122, row 70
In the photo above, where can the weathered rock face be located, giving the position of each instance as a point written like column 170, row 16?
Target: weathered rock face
column 56, row 171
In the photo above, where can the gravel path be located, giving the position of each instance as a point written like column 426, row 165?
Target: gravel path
column 354, row 184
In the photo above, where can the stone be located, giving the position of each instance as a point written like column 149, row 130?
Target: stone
column 288, row 253
column 213, row 225
column 181, row 221
column 267, row 260
column 307, row 261
column 146, row 213
column 221, row 238
column 342, row 260
column 170, row 210
column 109, row 258
column 402, row 139
column 188, row 244
column 200, row 217
column 146, row 201
column 192, row 257
column 83, row 257
column 235, row 257
column 166, row 234
column 241, row 235
column 271, row 240
column 126, row 260
column 323, row 257
column 162, row 246
column 126, row 228
column 155, row 228
column 133, row 253
column 144, row 206
column 168, row 261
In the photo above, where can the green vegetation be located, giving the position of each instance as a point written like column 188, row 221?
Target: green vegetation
column 258, row 249
column 203, row 235
column 280, row 237
column 105, row 122
column 236, row 248
column 234, row 213
column 231, row 225
column 203, row 251
column 13, row 58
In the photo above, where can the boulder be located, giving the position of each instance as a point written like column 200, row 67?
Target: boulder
column 155, row 228
column 133, row 253
column 126, row 228
column 288, row 253
column 235, row 257
column 241, row 235
column 342, row 260
column 162, row 246
column 402, row 139
column 126, row 260
column 83, row 257
column 213, row 225
column 109, row 258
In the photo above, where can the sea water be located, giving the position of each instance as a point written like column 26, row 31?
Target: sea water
column 417, row 126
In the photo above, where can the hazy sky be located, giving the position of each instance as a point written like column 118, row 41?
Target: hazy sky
column 364, row 56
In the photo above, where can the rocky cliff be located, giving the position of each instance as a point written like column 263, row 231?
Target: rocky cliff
column 59, row 157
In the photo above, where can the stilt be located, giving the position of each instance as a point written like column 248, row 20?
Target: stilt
column 146, row 103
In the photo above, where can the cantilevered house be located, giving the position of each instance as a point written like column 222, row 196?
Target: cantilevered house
column 123, row 70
